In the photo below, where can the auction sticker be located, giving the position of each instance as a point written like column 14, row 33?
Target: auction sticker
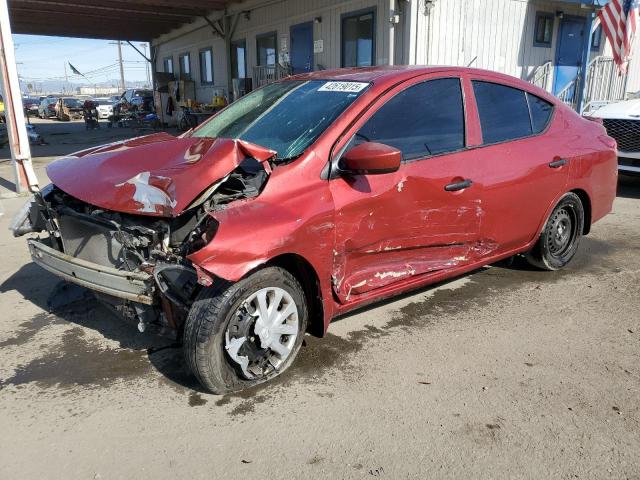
column 350, row 87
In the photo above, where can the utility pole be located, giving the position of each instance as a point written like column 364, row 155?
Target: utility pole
column 66, row 78
column 122, row 84
column 148, row 69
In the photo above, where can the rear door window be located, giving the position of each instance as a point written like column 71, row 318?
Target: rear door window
column 541, row 111
column 422, row 120
column 504, row 112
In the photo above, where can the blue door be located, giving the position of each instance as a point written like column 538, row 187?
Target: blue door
column 569, row 52
column 301, row 52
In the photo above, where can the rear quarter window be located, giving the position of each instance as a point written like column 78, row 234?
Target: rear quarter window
column 503, row 110
column 541, row 111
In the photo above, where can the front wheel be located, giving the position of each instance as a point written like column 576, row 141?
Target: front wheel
column 242, row 334
column 559, row 240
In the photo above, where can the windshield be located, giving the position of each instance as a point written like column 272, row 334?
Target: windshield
column 72, row 102
column 286, row 116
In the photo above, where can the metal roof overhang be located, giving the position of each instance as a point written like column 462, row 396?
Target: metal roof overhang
column 140, row 20
column 587, row 3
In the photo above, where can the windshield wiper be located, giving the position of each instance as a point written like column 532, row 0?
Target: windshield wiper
column 283, row 160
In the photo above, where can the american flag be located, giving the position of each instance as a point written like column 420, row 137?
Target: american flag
column 618, row 19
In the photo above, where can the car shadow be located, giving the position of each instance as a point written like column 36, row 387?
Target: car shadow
column 75, row 360
column 69, row 304
column 629, row 186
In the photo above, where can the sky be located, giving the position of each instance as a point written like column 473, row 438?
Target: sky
column 43, row 58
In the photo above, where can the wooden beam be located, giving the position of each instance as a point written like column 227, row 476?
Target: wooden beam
column 214, row 26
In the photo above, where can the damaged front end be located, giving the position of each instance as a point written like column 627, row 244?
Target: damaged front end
column 136, row 263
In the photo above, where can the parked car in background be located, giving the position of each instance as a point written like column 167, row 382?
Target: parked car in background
column 47, row 107
column 68, row 108
column 105, row 107
column 316, row 195
column 622, row 121
column 137, row 99
column 31, row 105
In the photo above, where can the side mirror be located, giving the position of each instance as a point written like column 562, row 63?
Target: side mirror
column 371, row 158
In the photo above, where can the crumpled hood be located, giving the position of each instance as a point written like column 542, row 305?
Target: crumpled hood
column 158, row 175
column 629, row 109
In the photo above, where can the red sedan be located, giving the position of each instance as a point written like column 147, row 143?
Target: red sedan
column 315, row 195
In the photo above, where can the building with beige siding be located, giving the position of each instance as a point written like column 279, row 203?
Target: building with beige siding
column 546, row 42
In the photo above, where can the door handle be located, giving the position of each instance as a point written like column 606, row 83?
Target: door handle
column 453, row 187
column 558, row 163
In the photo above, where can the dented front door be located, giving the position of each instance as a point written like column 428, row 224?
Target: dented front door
column 393, row 227
column 396, row 226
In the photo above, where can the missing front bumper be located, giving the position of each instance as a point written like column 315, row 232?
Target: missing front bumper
column 134, row 286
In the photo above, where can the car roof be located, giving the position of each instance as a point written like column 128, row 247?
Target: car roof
column 386, row 75
column 382, row 72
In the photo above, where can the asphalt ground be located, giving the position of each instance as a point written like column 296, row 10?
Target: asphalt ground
column 507, row 372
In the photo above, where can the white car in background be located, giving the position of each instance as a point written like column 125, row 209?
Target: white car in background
column 622, row 121
column 105, row 107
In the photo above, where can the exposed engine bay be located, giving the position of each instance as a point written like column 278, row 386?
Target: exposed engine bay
column 140, row 244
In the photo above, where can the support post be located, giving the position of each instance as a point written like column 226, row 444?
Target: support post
column 229, row 29
column 123, row 85
column 392, row 31
column 227, row 53
column 25, row 177
column 584, row 67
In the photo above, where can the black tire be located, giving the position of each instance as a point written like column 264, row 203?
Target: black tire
column 560, row 238
column 208, row 320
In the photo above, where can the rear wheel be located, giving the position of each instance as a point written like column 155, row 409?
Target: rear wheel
column 242, row 334
column 559, row 240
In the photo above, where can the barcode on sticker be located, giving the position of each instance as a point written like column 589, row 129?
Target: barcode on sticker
column 351, row 87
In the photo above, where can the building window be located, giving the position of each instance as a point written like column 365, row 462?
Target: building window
column 184, row 61
column 266, row 45
column 168, row 64
column 206, row 67
column 544, row 29
column 358, row 39
column 596, row 38
column 239, row 59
